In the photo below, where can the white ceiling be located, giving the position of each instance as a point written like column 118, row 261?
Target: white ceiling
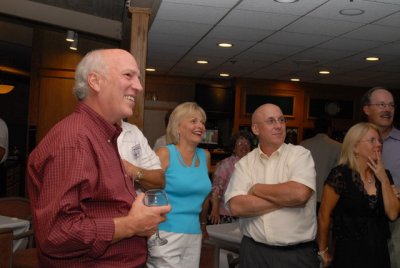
column 274, row 40
column 279, row 41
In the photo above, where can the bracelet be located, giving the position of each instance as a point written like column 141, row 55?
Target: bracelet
column 203, row 223
column 322, row 252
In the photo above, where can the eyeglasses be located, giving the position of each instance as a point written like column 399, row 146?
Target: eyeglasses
column 382, row 105
column 373, row 141
column 273, row 121
column 243, row 143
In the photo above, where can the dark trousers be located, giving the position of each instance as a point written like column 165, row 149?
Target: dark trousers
column 259, row 255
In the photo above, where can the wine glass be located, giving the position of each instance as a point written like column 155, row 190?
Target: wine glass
column 154, row 198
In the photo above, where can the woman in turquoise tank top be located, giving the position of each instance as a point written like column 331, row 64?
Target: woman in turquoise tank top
column 187, row 186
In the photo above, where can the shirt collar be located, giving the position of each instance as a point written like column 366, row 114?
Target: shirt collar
column 277, row 152
column 394, row 134
column 109, row 131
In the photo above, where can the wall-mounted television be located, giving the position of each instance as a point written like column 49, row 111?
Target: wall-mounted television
column 215, row 100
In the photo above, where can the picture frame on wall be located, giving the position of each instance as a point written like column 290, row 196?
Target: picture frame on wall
column 292, row 135
column 341, row 109
column 285, row 102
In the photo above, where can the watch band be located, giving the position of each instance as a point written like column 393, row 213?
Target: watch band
column 138, row 176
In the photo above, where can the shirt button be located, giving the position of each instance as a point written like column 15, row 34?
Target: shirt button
column 109, row 141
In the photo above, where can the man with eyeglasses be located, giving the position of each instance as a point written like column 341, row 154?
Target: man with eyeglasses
column 272, row 190
column 378, row 106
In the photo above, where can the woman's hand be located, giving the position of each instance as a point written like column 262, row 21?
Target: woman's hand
column 214, row 215
column 377, row 167
column 326, row 259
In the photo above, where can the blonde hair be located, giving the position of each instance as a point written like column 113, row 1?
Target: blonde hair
column 351, row 140
column 176, row 117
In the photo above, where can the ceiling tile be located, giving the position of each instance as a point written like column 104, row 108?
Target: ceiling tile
column 320, row 26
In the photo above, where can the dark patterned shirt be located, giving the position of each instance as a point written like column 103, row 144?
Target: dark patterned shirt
column 77, row 185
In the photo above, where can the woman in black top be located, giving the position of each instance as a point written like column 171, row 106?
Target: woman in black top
column 358, row 196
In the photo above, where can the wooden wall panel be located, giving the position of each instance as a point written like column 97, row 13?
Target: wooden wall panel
column 56, row 101
column 52, row 77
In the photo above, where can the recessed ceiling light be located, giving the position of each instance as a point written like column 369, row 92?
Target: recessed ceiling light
column 295, row 79
column 372, row 58
column 225, row 45
column 286, row 1
column 202, row 61
column 324, row 72
column 151, row 69
column 224, row 74
column 351, row 12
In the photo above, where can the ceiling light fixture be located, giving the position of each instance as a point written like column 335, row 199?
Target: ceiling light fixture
column 202, row 61
column 224, row 74
column 70, row 36
column 372, row 58
column 324, row 72
column 286, row 1
column 295, row 79
column 351, row 12
column 151, row 69
column 225, row 45
column 74, row 44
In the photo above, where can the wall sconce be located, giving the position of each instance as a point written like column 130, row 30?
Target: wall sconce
column 74, row 44
column 6, row 88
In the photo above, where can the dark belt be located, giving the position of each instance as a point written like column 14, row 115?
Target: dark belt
column 288, row 247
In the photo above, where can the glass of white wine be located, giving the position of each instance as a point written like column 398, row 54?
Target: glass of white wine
column 154, row 198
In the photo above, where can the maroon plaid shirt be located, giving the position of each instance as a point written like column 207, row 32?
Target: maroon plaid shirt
column 77, row 185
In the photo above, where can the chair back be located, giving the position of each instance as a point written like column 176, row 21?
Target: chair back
column 16, row 207
column 6, row 247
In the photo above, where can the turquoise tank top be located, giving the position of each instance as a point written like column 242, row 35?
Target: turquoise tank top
column 186, row 187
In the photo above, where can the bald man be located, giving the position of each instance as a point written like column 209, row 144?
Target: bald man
column 272, row 190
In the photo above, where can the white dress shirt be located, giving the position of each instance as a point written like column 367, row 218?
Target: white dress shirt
column 285, row 226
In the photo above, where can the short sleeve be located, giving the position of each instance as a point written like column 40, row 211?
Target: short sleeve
column 336, row 179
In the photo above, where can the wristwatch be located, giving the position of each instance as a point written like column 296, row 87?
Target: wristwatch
column 138, row 176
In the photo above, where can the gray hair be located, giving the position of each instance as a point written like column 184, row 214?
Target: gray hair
column 93, row 61
column 366, row 98
column 176, row 117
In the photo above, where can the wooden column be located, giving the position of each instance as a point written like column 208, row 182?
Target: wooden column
column 140, row 28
